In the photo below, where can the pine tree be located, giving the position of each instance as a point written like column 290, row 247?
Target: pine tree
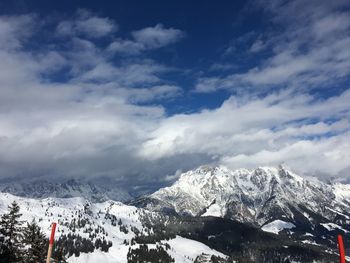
column 11, row 249
column 59, row 256
column 36, row 243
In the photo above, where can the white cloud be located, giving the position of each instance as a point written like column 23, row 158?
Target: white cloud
column 154, row 93
column 257, row 46
column 261, row 132
column 147, row 39
column 130, row 74
column 126, row 46
column 308, row 51
column 157, row 36
column 313, row 157
column 87, row 24
column 89, row 124
column 104, row 118
column 15, row 30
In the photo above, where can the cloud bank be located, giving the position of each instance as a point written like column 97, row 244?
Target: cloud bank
column 71, row 109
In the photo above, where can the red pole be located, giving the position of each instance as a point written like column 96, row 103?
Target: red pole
column 341, row 249
column 52, row 239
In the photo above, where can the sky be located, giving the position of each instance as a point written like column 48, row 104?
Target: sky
column 139, row 91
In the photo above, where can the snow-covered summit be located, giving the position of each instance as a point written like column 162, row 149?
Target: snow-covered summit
column 251, row 195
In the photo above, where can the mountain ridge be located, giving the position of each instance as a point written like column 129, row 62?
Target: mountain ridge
column 215, row 189
column 273, row 199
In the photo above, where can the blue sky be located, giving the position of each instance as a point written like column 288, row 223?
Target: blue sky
column 145, row 90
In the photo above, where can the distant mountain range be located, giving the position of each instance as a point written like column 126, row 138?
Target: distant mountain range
column 210, row 214
column 66, row 189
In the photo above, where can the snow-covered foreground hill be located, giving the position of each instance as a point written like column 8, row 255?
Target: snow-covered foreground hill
column 182, row 250
column 114, row 222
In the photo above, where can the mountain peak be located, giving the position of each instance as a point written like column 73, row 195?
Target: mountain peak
column 205, row 169
column 254, row 196
column 266, row 173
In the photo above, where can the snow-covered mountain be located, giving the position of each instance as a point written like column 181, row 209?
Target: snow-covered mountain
column 272, row 198
column 66, row 189
column 254, row 196
column 210, row 214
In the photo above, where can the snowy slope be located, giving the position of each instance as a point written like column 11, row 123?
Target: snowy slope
column 183, row 250
column 98, row 216
column 277, row 226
